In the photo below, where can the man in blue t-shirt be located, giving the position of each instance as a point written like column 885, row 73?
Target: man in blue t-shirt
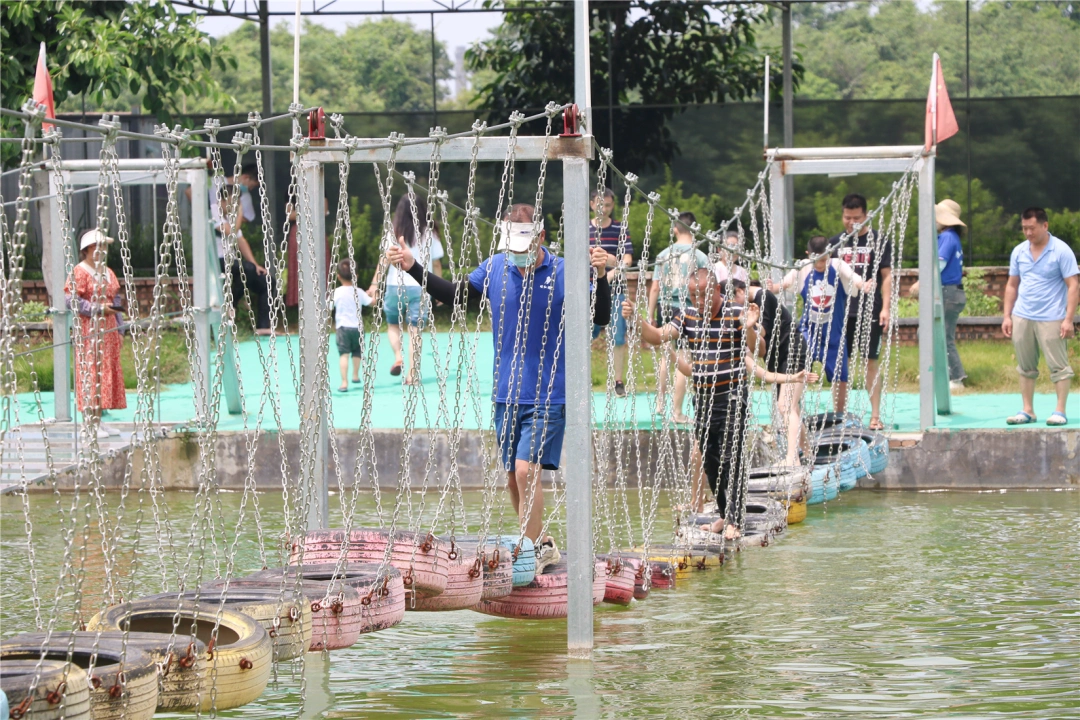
column 1040, row 304
column 614, row 239
column 525, row 290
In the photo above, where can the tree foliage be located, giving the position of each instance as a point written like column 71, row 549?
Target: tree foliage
column 104, row 49
column 878, row 50
column 660, row 54
column 375, row 66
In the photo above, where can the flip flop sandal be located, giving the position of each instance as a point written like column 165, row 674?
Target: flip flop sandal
column 343, row 388
column 876, row 424
column 1057, row 419
column 1020, row 418
column 395, row 369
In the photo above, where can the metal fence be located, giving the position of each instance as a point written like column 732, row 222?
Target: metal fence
column 1010, row 153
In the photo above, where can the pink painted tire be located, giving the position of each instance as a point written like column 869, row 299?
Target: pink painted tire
column 334, row 625
column 545, row 597
column 663, row 575
column 464, row 585
column 497, row 563
column 382, row 595
column 619, row 575
column 423, row 560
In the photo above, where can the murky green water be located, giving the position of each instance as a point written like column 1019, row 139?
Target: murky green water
column 885, row 605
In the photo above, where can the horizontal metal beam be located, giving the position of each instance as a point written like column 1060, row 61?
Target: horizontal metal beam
column 491, row 149
column 134, row 164
column 130, row 177
column 849, row 166
column 871, row 151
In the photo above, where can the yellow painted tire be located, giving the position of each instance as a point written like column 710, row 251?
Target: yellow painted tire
column 61, row 691
column 124, row 681
column 289, row 626
column 238, row 665
column 796, row 512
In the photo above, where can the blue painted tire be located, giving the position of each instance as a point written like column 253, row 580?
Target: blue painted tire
column 525, row 564
column 824, row 484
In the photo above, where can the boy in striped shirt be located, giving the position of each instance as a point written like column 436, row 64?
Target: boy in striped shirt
column 718, row 333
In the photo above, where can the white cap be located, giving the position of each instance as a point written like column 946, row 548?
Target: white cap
column 517, row 237
column 93, row 237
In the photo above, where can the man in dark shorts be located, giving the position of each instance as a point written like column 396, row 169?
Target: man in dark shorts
column 870, row 258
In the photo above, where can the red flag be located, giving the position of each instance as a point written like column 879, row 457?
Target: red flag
column 43, row 90
column 940, row 120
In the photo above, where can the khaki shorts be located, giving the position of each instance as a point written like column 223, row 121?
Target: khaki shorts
column 1031, row 337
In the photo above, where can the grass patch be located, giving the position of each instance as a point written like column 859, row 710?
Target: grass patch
column 173, row 364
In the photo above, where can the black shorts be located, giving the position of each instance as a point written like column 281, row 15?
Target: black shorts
column 875, row 338
column 348, row 341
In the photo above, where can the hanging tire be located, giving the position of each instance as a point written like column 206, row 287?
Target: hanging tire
column 336, row 624
column 848, row 452
column 239, row 660
column 497, row 564
column 61, row 691
column 286, row 619
column 780, row 482
column 422, row 559
column 620, row 574
column 796, row 512
column 643, row 572
column 545, row 597
column 765, row 515
column 464, row 585
column 381, row 589
column 876, row 457
column 824, row 421
column 124, row 680
column 824, row 483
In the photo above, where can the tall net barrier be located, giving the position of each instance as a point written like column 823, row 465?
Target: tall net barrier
column 147, row 600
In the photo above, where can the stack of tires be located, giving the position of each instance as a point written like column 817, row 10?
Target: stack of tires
column 789, row 486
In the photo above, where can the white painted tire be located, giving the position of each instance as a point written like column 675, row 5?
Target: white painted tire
column 61, row 691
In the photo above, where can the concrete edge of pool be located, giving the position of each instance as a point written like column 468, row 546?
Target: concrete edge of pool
column 1037, row 459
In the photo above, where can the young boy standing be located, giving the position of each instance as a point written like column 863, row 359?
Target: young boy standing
column 347, row 301
column 719, row 333
column 609, row 235
column 825, row 285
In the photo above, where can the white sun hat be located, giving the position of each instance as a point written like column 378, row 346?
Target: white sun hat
column 93, row 237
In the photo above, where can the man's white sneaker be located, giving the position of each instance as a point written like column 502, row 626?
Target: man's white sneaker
column 956, row 385
column 546, row 554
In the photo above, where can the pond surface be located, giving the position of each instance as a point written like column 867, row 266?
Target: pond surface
column 928, row 605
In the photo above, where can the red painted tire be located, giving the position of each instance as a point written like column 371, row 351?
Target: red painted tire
column 497, row 562
column 619, row 575
column 333, row 626
column 546, row 596
column 423, row 560
column 464, row 586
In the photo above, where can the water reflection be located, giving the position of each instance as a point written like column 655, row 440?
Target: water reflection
column 884, row 605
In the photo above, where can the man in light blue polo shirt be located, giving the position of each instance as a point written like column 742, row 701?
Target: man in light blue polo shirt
column 1040, row 303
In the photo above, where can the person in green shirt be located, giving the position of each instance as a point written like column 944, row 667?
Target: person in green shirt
column 668, row 298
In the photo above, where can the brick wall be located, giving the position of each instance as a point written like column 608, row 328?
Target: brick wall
column 34, row 291
column 995, row 277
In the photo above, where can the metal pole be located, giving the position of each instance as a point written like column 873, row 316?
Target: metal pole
column 765, row 129
column 967, row 131
column 578, row 443
column 577, row 449
column 928, row 267
column 267, row 131
column 434, row 78
column 310, row 239
column 54, row 239
column 789, row 134
column 780, row 252
column 202, row 274
column 582, row 73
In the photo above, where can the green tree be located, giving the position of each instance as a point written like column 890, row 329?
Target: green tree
column 104, row 50
column 882, row 50
column 375, row 66
column 660, row 55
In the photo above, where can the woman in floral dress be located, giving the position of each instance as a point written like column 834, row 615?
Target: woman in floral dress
column 94, row 292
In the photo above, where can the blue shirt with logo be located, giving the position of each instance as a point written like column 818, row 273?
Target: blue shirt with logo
column 527, row 354
column 951, row 254
column 1042, row 296
column 822, row 293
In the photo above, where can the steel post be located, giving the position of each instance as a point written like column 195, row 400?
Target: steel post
column 781, row 250
column 928, row 268
column 789, row 130
column 55, row 240
column 582, row 73
column 577, row 448
column 202, row 275
column 311, row 262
